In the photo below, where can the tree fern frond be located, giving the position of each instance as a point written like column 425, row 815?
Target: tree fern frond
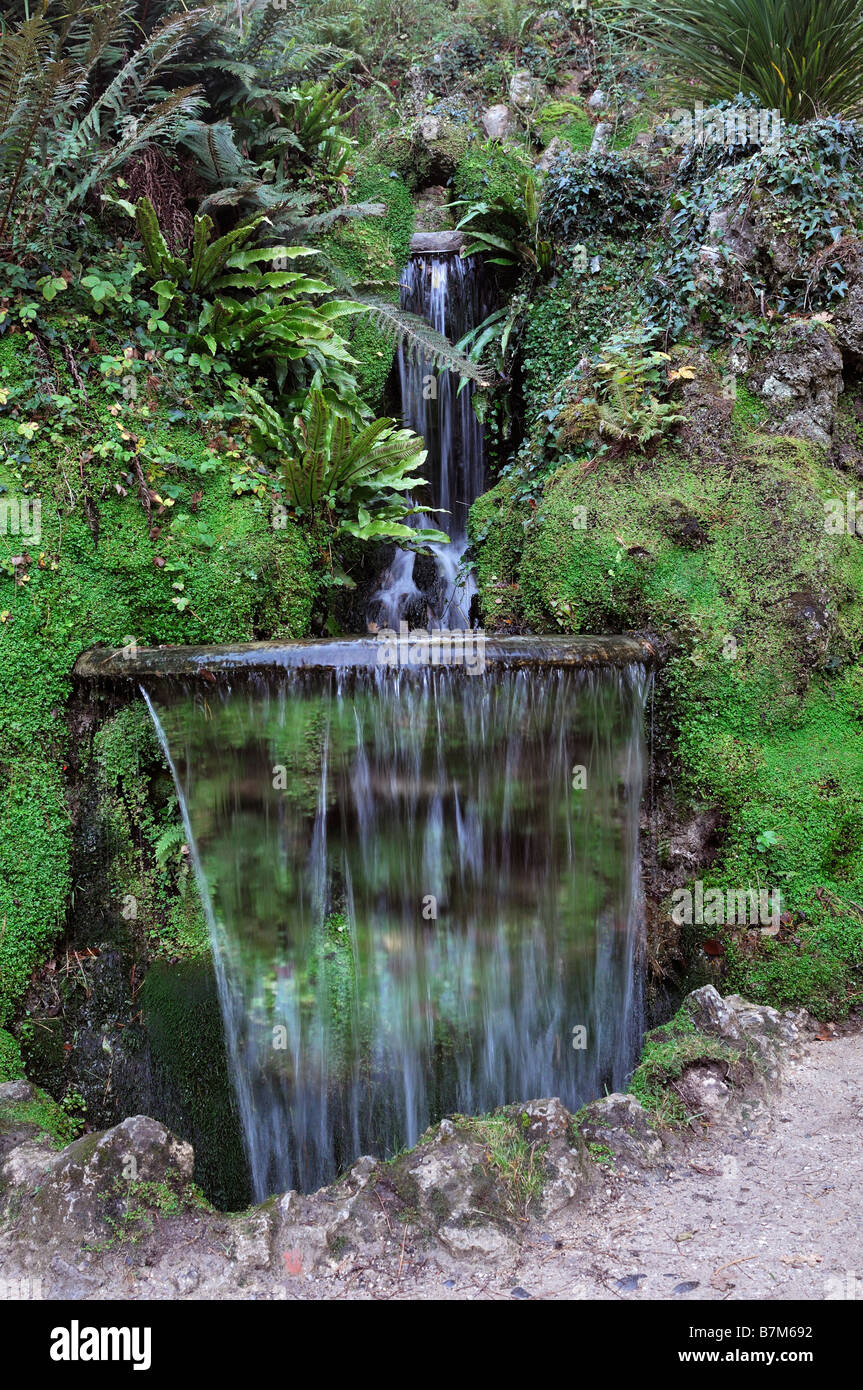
column 324, row 221
column 161, row 123
column 135, row 75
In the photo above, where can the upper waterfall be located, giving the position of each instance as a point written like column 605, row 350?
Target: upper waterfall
column 448, row 291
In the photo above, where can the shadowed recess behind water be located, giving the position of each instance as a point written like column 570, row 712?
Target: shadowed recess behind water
column 412, row 918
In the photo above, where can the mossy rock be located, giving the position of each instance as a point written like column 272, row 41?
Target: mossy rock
column 28, row 1114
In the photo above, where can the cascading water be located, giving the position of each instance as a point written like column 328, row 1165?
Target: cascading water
column 420, row 885
column 447, row 291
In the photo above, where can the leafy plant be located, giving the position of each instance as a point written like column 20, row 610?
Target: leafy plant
column 585, row 196
column 626, row 407
column 311, row 122
column 523, row 247
column 258, row 318
column 806, row 194
column 509, row 20
column 497, row 329
column 77, row 99
column 803, row 58
column 357, row 478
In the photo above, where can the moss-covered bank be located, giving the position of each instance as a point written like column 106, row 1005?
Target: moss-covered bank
column 147, row 532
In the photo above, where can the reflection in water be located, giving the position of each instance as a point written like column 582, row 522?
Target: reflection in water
column 414, row 900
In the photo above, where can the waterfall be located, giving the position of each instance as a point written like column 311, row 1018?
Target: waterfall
column 447, row 291
column 423, row 894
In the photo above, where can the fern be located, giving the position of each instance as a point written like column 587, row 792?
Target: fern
column 172, row 838
column 421, row 338
column 77, row 99
column 359, row 481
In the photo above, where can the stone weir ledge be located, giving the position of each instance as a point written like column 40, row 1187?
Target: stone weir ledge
column 447, row 243
column 262, row 658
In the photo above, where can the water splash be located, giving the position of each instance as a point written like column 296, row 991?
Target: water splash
column 412, row 906
column 448, row 292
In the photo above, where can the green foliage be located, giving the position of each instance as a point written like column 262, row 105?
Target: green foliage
column 801, row 57
column 77, row 99
column 373, row 250
column 44, row 1114
column 142, row 829
column 770, row 736
column 11, row 1065
column 517, row 1165
column 256, row 318
column 133, row 1207
column 507, row 20
column 312, row 123
column 514, row 246
column 570, row 319
column 373, row 37
column 667, row 1052
column 358, row 480
column 627, row 377
column 235, row 570
column 806, row 195
column 494, row 174
column 590, row 196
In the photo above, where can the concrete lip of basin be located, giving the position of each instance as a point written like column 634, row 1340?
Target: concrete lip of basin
column 353, row 653
column 436, row 243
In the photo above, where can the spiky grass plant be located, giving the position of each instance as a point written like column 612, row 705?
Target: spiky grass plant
column 803, row 58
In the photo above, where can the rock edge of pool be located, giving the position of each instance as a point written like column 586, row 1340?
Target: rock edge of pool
column 445, row 650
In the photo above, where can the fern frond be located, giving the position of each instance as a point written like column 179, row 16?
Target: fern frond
column 170, row 839
column 134, row 76
column 419, row 337
column 324, row 221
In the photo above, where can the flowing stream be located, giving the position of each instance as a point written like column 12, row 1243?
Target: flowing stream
column 422, row 888
column 447, row 291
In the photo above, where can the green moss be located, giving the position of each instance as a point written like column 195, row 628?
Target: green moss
column 419, row 162
column 748, row 410
column 46, row 1115
column 494, row 173
column 187, row 1050
column 516, row 1165
column 626, row 133
column 11, row 1065
column 133, row 1207
column 569, row 121
column 374, row 249
column 91, row 577
column 497, row 525
column 667, row 1052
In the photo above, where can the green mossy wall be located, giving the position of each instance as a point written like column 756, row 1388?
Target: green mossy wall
column 190, row 1075
column 91, row 578
column 374, row 249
